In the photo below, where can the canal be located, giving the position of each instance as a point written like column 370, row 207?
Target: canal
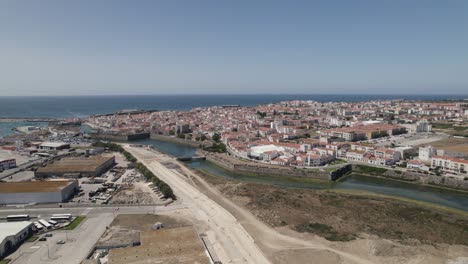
column 454, row 199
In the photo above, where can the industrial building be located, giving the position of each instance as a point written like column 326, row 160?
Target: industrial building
column 12, row 234
column 54, row 146
column 55, row 191
column 7, row 164
column 77, row 167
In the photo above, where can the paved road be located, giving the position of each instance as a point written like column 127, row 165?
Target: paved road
column 232, row 244
column 79, row 242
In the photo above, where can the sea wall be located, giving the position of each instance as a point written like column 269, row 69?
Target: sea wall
column 336, row 174
column 119, row 137
column 246, row 167
column 414, row 177
column 177, row 140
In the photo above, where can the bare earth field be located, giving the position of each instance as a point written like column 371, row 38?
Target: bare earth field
column 139, row 193
column 177, row 242
column 252, row 223
column 452, row 144
column 380, row 229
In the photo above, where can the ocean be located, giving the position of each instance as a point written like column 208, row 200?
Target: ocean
column 82, row 106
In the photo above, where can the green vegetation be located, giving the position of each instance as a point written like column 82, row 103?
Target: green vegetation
column 338, row 161
column 165, row 189
column 216, row 137
column 32, row 239
column 324, row 231
column 368, row 195
column 330, row 169
column 447, row 126
column 217, row 147
column 370, row 169
column 75, row 223
column 261, row 114
column 5, row 261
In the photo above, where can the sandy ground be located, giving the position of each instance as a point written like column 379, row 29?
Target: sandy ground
column 140, row 193
column 8, row 154
column 229, row 239
column 283, row 245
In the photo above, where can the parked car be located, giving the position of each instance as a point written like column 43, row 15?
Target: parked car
column 48, row 235
column 42, row 239
column 60, row 242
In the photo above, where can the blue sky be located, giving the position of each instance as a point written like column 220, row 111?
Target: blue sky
column 233, row 47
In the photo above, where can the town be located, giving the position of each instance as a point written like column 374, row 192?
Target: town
column 310, row 134
column 94, row 170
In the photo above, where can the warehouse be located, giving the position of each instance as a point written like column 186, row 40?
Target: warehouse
column 56, row 191
column 7, row 164
column 77, row 167
column 54, row 146
column 12, row 234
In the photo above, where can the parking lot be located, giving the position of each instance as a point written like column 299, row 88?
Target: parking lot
column 64, row 246
column 407, row 139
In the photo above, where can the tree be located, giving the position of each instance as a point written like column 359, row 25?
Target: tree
column 216, row 137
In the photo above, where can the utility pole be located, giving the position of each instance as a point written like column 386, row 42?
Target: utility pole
column 48, row 250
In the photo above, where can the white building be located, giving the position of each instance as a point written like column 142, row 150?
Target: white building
column 257, row 151
column 419, row 127
column 450, row 164
column 426, row 153
column 12, row 234
column 417, row 165
column 37, row 191
column 54, row 146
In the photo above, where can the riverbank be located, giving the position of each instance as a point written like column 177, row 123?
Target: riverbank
column 249, row 168
column 351, row 223
column 412, row 177
column 348, row 212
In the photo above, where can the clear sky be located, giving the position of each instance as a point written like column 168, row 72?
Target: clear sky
column 90, row 47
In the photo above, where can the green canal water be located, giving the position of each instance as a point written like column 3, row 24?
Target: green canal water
column 439, row 196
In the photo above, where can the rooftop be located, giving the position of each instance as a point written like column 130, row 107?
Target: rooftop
column 11, row 228
column 33, row 186
column 70, row 165
column 53, row 144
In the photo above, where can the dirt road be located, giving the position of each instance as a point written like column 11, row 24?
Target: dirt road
column 230, row 241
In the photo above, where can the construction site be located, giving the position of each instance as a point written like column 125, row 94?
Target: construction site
column 135, row 239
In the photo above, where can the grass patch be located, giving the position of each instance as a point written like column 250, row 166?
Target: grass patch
column 338, row 161
column 75, row 223
column 324, row 231
column 368, row 194
column 32, row 239
column 5, row 261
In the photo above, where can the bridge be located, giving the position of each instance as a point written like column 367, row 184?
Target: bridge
column 192, row 158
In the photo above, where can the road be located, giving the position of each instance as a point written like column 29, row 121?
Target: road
column 229, row 236
column 79, row 242
column 232, row 244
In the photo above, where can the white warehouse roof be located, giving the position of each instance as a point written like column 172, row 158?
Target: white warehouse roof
column 259, row 150
column 53, row 144
column 12, row 228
